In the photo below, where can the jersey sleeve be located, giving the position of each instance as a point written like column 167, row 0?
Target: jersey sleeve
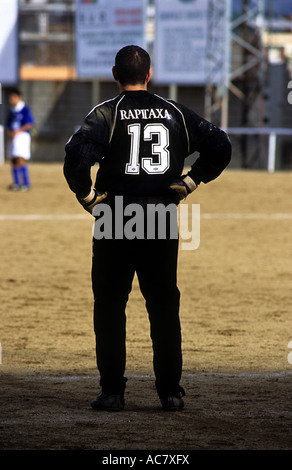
column 27, row 116
column 86, row 147
column 212, row 144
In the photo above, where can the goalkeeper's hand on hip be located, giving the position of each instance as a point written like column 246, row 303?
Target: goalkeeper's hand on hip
column 183, row 186
column 92, row 199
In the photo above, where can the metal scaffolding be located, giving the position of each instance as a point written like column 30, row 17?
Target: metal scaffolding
column 235, row 60
column 217, row 58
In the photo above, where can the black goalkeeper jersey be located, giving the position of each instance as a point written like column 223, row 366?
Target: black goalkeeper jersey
column 141, row 141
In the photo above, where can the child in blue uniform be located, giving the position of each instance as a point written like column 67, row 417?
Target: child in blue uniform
column 18, row 126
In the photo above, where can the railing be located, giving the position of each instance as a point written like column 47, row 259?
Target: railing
column 271, row 132
column 1, row 145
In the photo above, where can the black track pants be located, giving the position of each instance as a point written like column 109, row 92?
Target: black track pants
column 114, row 265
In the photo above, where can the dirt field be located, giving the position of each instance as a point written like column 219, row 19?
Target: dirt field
column 235, row 312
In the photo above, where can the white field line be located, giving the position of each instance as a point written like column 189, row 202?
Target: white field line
column 223, row 216
column 33, row 217
column 255, row 216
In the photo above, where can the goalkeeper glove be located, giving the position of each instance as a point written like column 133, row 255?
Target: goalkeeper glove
column 92, row 199
column 183, row 186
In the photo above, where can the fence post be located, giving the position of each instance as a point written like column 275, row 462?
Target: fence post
column 1, row 145
column 272, row 152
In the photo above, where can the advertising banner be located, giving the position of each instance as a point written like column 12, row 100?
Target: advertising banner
column 8, row 42
column 180, row 41
column 102, row 28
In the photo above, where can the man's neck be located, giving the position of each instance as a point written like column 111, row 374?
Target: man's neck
column 138, row 87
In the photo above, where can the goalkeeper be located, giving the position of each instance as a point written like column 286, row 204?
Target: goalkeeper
column 140, row 141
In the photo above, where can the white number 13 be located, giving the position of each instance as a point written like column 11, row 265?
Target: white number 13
column 160, row 149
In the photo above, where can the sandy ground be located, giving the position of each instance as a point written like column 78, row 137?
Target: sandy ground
column 235, row 312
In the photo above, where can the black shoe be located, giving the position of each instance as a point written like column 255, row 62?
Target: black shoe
column 175, row 403
column 108, row 402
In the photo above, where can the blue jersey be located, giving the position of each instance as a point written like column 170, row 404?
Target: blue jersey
column 19, row 116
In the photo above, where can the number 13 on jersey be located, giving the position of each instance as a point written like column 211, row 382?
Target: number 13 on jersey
column 159, row 149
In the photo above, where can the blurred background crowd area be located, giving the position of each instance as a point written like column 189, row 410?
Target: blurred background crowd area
column 257, row 53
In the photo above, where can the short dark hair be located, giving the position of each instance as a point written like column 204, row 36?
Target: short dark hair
column 14, row 91
column 132, row 64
